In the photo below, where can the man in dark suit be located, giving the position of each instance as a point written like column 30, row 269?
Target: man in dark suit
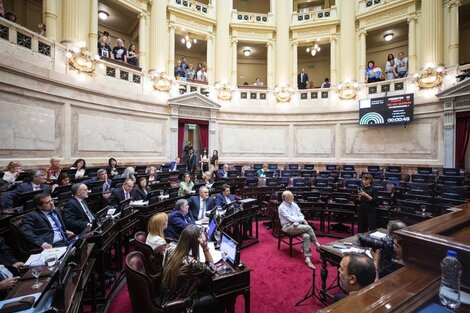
column 77, row 215
column 221, row 199
column 178, row 220
column 174, row 164
column 9, row 272
column 44, row 226
column 200, row 205
column 192, row 162
column 122, row 193
column 223, row 173
column 302, row 79
column 101, row 175
column 38, row 182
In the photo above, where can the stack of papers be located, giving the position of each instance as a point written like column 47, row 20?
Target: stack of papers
column 60, row 251
column 378, row 235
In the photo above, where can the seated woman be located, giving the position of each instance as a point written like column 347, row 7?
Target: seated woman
column 186, row 186
column 208, row 179
column 62, row 180
column 112, row 167
column 129, row 173
column 152, row 171
column 80, row 166
column 53, row 171
column 183, row 274
column 262, row 170
column 157, row 224
column 12, row 171
column 178, row 220
column 141, row 189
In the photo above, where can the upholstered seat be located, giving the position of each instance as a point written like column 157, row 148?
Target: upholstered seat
column 20, row 245
column 153, row 258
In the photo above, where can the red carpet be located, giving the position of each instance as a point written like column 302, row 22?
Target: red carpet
column 277, row 280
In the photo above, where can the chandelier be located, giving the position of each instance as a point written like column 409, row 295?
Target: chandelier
column 313, row 49
column 188, row 41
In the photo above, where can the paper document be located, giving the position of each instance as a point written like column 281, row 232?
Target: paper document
column 139, row 203
column 378, row 235
column 216, row 256
column 59, row 251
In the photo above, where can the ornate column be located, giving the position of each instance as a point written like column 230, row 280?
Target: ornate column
column 283, row 15
column 270, row 57
column 210, row 59
column 223, row 67
column 432, row 35
column 93, row 34
column 51, row 19
column 412, row 58
column 333, row 70
column 76, row 22
column 362, row 54
column 294, row 64
column 142, row 41
column 171, row 50
column 453, row 33
column 158, row 38
column 449, row 133
column 234, row 62
column 347, row 44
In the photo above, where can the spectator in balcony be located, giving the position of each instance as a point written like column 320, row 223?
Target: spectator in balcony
column 104, row 50
column 302, row 79
column 12, row 171
column 202, row 74
column 42, row 29
column 108, row 38
column 311, row 85
column 215, row 160
column 326, row 83
column 258, row 82
column 2, row 9
column 132, row 56
column 373, row 72
column 179, row 72
column 11, row 16
column 190, row 72
column 184, row 65
column 391, row 70
column 120, row 52
column 402, row 65
column 204, row 160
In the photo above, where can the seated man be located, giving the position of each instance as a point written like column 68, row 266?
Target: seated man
column 101, row 175
column 355, row 272
column 38, row 182
column 223, row 198
column 293, row 222
column 223, row 173
column 122, row 193
column 178, row 220
column 174, row 164
column 8, row 269
column 200, row 205
column 77, row 215
column 44, row 226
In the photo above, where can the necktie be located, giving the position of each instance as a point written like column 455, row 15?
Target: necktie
column 88, row 213
column 59, row 226
column 126, row 195
column 202, row 211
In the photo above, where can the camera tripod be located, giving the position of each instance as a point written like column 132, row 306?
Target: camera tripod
column 312, row 291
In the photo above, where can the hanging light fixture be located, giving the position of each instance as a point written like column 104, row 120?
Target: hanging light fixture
column 103, row 15
column 188, row 41
column 313, row 49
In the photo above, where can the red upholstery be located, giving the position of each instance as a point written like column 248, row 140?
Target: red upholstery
column 144, row 297
column 153, row 259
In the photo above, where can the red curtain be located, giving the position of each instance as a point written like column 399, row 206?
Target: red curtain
column 462, row 133
column 203, row 130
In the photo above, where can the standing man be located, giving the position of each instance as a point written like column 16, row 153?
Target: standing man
column 293, row 222
column 200, row 205
column 77, row 215
column 302, row 79
column 192, row 161
column 402, row 65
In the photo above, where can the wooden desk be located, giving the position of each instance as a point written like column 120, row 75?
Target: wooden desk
column 227, row 287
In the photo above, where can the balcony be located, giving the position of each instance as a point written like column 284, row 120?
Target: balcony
column 250, row 18
column 305, row 18
column 194, row 7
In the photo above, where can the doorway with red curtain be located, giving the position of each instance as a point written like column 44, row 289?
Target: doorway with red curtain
column 462, row 135
column 203, row 127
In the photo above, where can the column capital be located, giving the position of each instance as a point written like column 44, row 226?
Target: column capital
column 233, row 40
column 294, row 43
column 171, row 26
column 334, row 38
column 452, row 3
column 362, row 32
column 411, row 18
column 210, row 36
column 270, row 43
column 142, row 16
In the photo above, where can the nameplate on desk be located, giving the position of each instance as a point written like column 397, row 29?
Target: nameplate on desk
column 139, row 203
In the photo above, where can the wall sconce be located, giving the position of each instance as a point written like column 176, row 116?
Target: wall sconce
column 103, row 15
column 247, row 52
column 388, row 36
column 430, row 76
column 161, row 82
column 283, row 93
column 224, row 91
column 82, row 60
column 347, row 90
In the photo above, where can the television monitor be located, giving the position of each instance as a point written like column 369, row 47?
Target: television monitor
column 347, row 174
column 386, row 110
column 451, row 171
column 348, row 167
column 284, row 180
column 251, row 182
column 286, row 173
column 309, row 167
column 181, row 167
column 233, row 174
column 331, row 167
column 272, row 182
column 165, row 168
column 307, row 173
column 250, row 173
column 324, row 174
column 311, row 196
column 352, row 183
column 299, row 182
column 140, row 169
column 61, row 189
column 269, row 173
column 272, row 167
column 394, row 169
column 321, row 182
column 229, row 246
column 211, row 229
column 116, row 181
column 293, row 166
column 425, row 170
column 373, row 168
column 257, row 166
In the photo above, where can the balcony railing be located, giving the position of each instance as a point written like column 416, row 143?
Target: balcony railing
column 299, row 18
column 122, row 71
column 193, row 86
column 315, row 94
column 387, row 86
column 194, row 6
column 252, row 18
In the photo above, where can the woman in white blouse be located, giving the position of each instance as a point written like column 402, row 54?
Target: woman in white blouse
column 157, row 224
column 80, row 166
column 12, row 171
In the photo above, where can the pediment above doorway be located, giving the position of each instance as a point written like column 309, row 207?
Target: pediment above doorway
column 194, row 100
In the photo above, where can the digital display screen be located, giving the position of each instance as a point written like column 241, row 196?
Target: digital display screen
column 229, row 246
column 386, row 110
column 212, row 226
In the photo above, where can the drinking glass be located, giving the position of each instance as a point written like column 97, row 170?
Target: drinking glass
column 224, row 256
column 36, row 268
column 161, row 193
column 423, row 209
column 99, row 222
column 51, row 261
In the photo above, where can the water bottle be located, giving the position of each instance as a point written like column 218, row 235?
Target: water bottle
column 451, row 270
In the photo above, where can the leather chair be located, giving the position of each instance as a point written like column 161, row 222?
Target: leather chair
column 282, row 236
column 144, row 297
column 19, row 244
column 153, row 259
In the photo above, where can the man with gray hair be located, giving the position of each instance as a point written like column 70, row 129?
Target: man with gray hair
column 200, row 205
column 293, row 222
column 37, row 182
column 178, row 220
column 101, row 175
column 77, row 215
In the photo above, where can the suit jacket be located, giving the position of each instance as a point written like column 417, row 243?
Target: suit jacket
column 302, row 83
column 220, row 201
column 75, row 217
column 176, row 223
column 118, row 195
column 6, row 254
column 140, row 194
column 8, row 198
column 37, row 228
column 28, row 187
column 173, row 166
column 106, row 186
column 192, row 163
column 220, row 173
column 195, row 205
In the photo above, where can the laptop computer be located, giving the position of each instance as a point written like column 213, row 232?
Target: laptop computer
column 230, row 246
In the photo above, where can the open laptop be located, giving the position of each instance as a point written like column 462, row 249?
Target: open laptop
column 230, row 246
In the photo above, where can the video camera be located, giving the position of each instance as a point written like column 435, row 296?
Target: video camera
column 385, row 244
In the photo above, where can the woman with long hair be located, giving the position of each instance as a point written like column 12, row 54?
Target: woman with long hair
column 112, row 167
column 12, row 171
column 186, row 186
column 157, row 224
column 152, row 171
column 141, row 189
column 183, row 273
column 204, row 157
column 62, row 180
column 215, row 160
column 80, row 166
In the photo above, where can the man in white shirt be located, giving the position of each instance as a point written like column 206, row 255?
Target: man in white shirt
column 293, row 222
